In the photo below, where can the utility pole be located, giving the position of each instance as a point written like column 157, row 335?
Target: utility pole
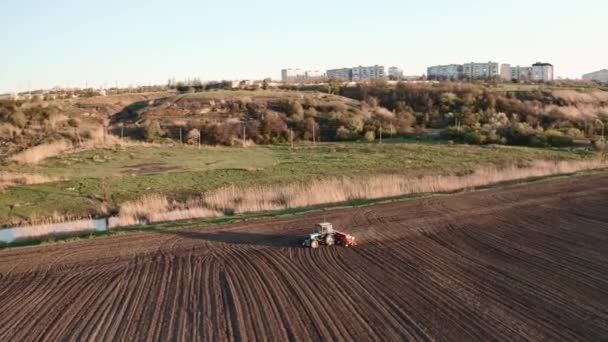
column 291, row 137
column 199, row 138
column 603, row 127
column 244, row 137
column 313, row 134
column 380, row 135
column 180, row 136
column 122, row 131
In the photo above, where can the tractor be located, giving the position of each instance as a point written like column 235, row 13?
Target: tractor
column 326, row 235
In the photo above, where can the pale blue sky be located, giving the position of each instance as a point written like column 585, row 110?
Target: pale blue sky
column 70, row 43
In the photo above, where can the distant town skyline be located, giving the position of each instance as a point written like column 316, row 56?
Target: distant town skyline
column 72, row 43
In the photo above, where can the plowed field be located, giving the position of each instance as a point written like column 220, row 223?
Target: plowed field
column 522, row 263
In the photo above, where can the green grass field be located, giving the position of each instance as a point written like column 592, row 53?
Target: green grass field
column 184, row 172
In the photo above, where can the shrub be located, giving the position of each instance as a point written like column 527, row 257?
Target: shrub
column 18, row 119
column 599, row 144
column 193, row 136
column 539, row 140
column 153, row 131
column 370, row 136
column 73, row 122
column 558, row 139
column 473, row 137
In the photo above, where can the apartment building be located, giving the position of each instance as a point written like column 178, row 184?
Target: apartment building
column 444, row 72
column 299, row 75
column 367, row 73
column 292, row 75
column 395, row 73
column 343, row 74
column 315, row 75
column 542, row 72
column 538, row 72
column 600, row 76
column 480, row 71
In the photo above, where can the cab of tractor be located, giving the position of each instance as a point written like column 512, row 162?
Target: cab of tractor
column 325, row 228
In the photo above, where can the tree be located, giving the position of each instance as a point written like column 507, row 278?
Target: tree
column 307, row 127
column 265, row 84
column 193, row 136
column 370, row 136
column 334, row 86
column 153, row 131
column 18, row 119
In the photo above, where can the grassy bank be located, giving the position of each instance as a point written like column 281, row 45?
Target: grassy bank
column 100, row 180
column 280, row 213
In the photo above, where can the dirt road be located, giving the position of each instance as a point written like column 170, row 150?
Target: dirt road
column 529, row 263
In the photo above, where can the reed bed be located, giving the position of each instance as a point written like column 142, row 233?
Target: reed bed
column 238, row 200
column 53, row 229
column 8, row 178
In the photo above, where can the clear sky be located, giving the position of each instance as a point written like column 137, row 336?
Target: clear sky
column 74, row 43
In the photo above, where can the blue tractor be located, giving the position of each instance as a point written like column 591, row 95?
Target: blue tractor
column 325, row 235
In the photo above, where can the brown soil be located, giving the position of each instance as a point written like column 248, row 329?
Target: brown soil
column 523, row 263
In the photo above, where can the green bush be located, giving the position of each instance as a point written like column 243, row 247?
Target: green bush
column 539, row 140
column 473, row 137
column 558, row 139
column 153, row 131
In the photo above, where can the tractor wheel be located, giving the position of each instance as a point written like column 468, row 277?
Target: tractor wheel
column 329, row 240
column 314, row 244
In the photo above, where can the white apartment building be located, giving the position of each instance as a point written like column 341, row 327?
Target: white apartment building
column 299, row 75
column 362, row 73
column 396, row 73
column 292, row 75
column 343, row 74
column 538, row 72
column 444, row 72
column 542, row 72
column 315, row 75
column 477, row 71
column 600, row 76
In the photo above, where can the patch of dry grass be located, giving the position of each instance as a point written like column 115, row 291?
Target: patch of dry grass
column 238, row 200
column 52, row 229
column 8, row 178
column 156, row 208
column 36, row 154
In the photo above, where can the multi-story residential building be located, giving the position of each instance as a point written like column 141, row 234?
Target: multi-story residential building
column 600, row 76
column 516, row 73
column 343, row 74
column 505, row 72
column 315, row 75
column 368, row 73
column 542, row 72
column 299, row 75
column 292, row 75
column 444, row 72
column 478, row 71
column 395, row 73
column 538, row 72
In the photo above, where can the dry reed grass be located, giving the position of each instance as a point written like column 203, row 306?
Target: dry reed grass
column 267, row 198
column 156, row 208
column 36, row 154
column 8, row 179
column 51, row 229
column 144, row 208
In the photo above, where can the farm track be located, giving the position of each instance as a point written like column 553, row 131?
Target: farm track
column 521, row 263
